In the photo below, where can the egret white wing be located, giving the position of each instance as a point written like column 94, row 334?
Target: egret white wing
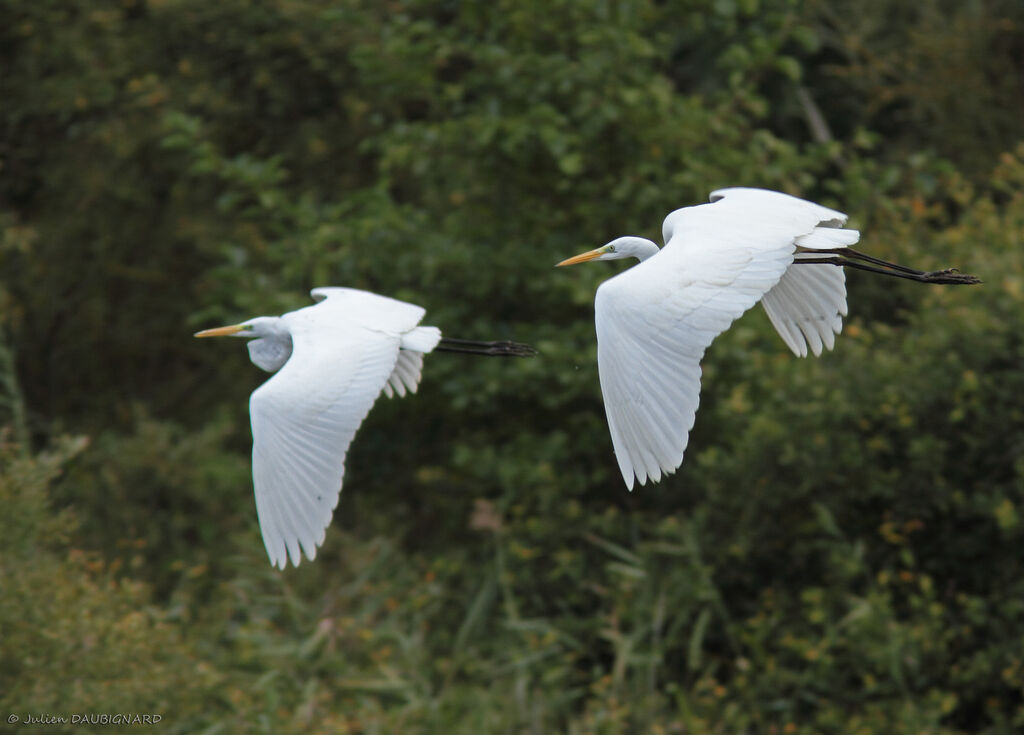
column 807, row 306
column 363, row 307
column 651, row 336
column 382, row 312
column 303, row 420
column 655, row 321
column 406, row 375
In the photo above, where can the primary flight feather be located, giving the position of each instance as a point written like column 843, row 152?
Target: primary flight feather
column 655, row 320
column 331, row 360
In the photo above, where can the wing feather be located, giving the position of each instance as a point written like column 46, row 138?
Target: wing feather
column 406, row 375
column 807, row 307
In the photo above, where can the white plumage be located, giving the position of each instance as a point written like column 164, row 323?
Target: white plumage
column 655, row 320
column 337, row 357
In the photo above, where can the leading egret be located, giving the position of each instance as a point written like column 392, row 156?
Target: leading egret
column 655, row 320
column 331, row 360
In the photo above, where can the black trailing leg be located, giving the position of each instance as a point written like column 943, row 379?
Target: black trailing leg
column 492, row 349
column 855, row 259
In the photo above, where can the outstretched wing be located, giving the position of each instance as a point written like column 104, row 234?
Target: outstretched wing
column 305, row 417
column 655, row 321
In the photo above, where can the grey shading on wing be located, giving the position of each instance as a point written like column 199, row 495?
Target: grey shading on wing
column 409, row 366
column 807, row 307
column 808, row 304
column 405, row 378
column 655, row 320
column 305, row 417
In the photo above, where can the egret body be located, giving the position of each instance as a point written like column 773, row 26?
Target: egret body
column 331, row 361
column 655, row 320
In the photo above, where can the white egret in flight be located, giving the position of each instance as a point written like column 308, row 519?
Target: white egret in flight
column 331, row 361
column 655, row 320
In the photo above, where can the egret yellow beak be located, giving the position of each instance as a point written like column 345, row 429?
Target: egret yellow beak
column 221, row 331
column 584, row 257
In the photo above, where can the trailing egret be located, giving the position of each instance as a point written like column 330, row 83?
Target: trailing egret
column 331, row 360
column 655, row 320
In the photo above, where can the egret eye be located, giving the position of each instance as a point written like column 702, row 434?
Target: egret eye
column 611, row 248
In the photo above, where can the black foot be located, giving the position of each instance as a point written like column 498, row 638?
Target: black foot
column 950, row 276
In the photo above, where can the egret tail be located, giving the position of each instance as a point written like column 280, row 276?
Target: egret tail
column 492, row 349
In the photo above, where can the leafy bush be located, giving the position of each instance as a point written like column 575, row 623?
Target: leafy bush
column 838, row 552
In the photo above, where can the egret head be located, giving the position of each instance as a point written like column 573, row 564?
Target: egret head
column 622, row 247
column 270, row 343
column 261, row 326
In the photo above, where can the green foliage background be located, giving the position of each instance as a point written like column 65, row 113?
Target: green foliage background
column 841, row 550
